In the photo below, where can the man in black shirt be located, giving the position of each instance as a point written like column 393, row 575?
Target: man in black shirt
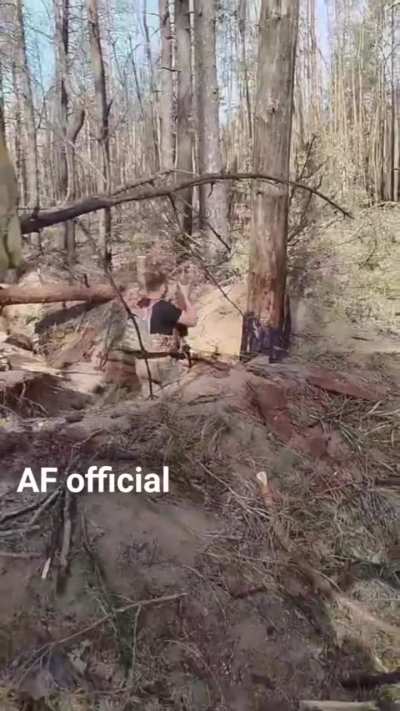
column 168, row 323
column 166, row 318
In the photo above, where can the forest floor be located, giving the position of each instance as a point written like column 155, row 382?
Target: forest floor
column 231, row 592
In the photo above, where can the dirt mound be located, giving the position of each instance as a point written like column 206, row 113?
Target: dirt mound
column 233, row 590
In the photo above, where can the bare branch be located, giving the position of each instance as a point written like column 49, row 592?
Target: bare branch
column 53, row 216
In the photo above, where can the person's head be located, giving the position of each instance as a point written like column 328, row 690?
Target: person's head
column 155, row 283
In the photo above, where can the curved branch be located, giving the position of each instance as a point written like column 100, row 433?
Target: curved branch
column 55, row 215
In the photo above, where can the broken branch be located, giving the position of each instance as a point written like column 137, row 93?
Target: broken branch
column 55, row 215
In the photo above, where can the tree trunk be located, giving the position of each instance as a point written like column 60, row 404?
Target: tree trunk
column 213, row 203
column 242, row 11
column 394, row 166
column 75, row 123
column 29, row 112
column 10, row 230
column 54, row 294
column 264, row 322
column 61, row 11
column 2, row 117
column 166, row 88
column 103, row 110
column 20, row 163
column 184, row 140
column 153, row 89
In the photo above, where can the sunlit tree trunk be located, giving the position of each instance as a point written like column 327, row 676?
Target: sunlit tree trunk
column 184, row 132
column 166, row 88
column 264, row 321
column 213, row 203
column 102, row 111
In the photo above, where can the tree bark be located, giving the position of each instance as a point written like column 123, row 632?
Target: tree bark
column 103, row 110
column 20, row 163
column 29, row 112
column 66, row 165
column 61, row 13
column 242, row 11
column 213, row 203
column 153, row 89
column 54, row 294
column 184, row 139
column 166, row 88
column 264, row 322
column 10, row 230
column 2, row 117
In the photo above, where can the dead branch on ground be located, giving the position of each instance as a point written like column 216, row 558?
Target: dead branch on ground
column 49, row 647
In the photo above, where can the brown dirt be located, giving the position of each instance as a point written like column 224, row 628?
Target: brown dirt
column 250, row 631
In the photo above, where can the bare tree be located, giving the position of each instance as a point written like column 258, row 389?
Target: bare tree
column 10, row 230
column 70, row 121
column 184, row 131
column 166, row 88
column 243, row 13
column 29, row 111
column 153, row 89
column 213, row 203
column 103, row 111
column 20, row 163
column 264, row 320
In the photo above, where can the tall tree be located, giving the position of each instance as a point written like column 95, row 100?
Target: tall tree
column 29, row 110
column 102, row 111
column 213, row 203
column 263, row 323
column 184, row 131
column 166, row 88
column 10, row 230
column 243, row 16
column 20, row 162
column 70, row 121
column 153, row 90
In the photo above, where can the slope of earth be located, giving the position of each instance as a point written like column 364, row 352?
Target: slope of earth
column 268, row 571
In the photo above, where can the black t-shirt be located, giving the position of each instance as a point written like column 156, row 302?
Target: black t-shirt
column 164, row 318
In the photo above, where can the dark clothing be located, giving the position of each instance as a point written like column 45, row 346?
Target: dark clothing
column 164, row 318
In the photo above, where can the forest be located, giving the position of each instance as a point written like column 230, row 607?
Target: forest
column 199, row 283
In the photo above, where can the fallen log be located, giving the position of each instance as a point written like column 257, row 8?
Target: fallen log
column 370, row 681
column 338, row 706
column 58, row 293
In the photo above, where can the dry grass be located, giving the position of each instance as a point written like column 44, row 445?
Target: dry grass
column 359, row 262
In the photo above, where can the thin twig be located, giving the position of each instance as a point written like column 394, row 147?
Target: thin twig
column 51, row 646
column 67, row 533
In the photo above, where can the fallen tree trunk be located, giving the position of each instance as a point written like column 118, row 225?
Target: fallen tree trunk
column 57, row 293
column 338, row 706
column 370, row 681
column 54, row 215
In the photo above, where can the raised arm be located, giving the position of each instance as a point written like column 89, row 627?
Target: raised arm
column 189, row 315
